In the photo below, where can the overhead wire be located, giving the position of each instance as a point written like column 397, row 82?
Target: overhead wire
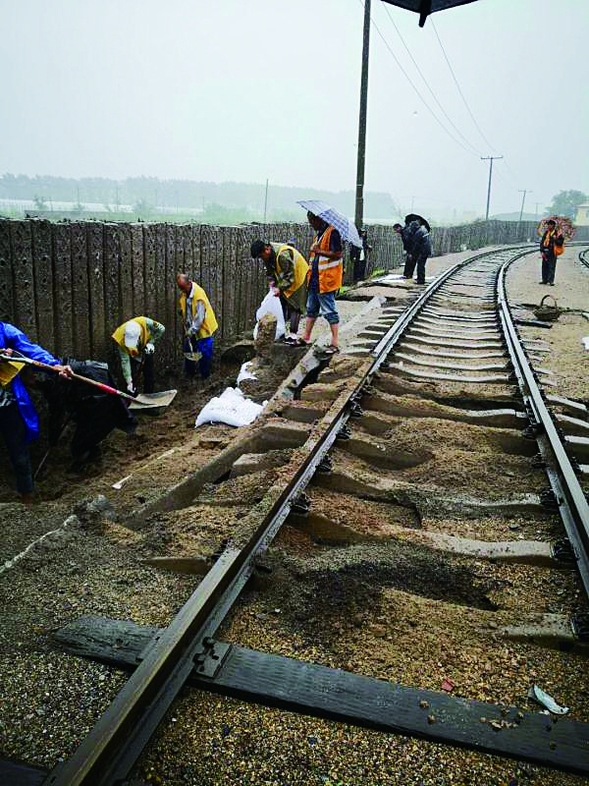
column 458, row 86
column 425, row 81
column 504, row 160
column 510, row 171
column 406, row 75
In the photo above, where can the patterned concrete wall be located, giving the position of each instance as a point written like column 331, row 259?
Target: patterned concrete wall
column 68, row 285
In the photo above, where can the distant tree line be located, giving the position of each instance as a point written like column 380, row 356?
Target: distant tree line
column 565, row 203
column 151, row 192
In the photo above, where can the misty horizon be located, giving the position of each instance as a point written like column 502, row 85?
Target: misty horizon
column 193, row 91
column 87, row 195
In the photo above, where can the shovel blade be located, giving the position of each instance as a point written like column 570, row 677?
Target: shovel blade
column 153, row 400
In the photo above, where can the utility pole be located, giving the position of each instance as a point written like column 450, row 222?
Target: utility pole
column 490, row 159
column 524, row 192
column 359, row 213
column 266, row 201
column 536, row 216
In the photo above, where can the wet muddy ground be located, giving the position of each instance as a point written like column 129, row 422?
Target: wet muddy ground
column 346, row 588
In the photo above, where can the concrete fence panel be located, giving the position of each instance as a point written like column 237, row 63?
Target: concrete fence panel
column 69, row 285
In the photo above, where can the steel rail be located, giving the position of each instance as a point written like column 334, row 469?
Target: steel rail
column 387, row 342
column 568, row 494
column 584, row 257
column 108, row 753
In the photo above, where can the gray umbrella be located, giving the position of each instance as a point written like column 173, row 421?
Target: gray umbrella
column 332, row 216
column 426, row 7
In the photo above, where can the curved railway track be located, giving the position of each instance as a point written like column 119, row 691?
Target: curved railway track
column 441, row 392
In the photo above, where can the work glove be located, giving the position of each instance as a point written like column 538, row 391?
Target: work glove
column 149, row 348
column 131, row 389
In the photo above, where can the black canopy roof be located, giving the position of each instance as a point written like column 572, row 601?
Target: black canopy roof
column 426, row 7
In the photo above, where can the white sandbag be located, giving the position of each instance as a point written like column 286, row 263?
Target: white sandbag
column 271, row 305
column 391, row 278
column 245, row 373
column 231, row 407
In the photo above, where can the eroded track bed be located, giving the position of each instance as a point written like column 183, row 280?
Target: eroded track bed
column 424, row 558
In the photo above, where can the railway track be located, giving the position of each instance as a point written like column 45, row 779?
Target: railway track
column 440, row 427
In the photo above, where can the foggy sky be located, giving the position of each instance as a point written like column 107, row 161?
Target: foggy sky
column 243, row 91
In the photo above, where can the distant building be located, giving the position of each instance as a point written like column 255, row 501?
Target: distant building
column 582, row 217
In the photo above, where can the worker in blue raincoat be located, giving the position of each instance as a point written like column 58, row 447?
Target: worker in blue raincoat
column 19, row 422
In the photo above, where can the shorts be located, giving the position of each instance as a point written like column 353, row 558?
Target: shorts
column 324, row 305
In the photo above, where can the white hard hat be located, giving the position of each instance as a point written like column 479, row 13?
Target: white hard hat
column 132, row 334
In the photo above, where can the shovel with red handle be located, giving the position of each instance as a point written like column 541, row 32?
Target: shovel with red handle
column 141, row 402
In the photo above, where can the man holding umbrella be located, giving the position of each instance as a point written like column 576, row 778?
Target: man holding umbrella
column 325, row 278
column 417, row 243
column 326, row 270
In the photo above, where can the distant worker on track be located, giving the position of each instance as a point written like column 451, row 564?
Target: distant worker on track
column 359, row 256
column 199, row 326
column 421, row 249
column 551, row 247
column 19, row 422
column 404, row 233
column 415, row 236
column 286, row 270
column 136, row 340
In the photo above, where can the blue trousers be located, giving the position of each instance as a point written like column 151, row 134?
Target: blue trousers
column 205, row 364
column 322, row 304
column 14, row 432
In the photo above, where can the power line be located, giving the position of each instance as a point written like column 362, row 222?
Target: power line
column 511, row 172
column 510, row 182
column 408, row 78
column 454, row 126
column 458, row 87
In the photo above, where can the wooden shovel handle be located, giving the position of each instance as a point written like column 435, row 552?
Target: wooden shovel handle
column 78, row 377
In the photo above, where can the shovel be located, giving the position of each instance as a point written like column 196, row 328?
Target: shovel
column 194, row 357
column 142, row 401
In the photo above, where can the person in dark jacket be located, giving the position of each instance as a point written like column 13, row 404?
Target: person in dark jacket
column 421, row 250
column 416, row 244
column 406, row 234
column 359, row 256
column 550, row 239
column 19, row 422
column 94, row 413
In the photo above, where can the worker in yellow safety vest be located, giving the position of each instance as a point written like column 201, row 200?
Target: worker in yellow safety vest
column 325, row 277
column 136, row 341
column 199, row 325
column 287, row 271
